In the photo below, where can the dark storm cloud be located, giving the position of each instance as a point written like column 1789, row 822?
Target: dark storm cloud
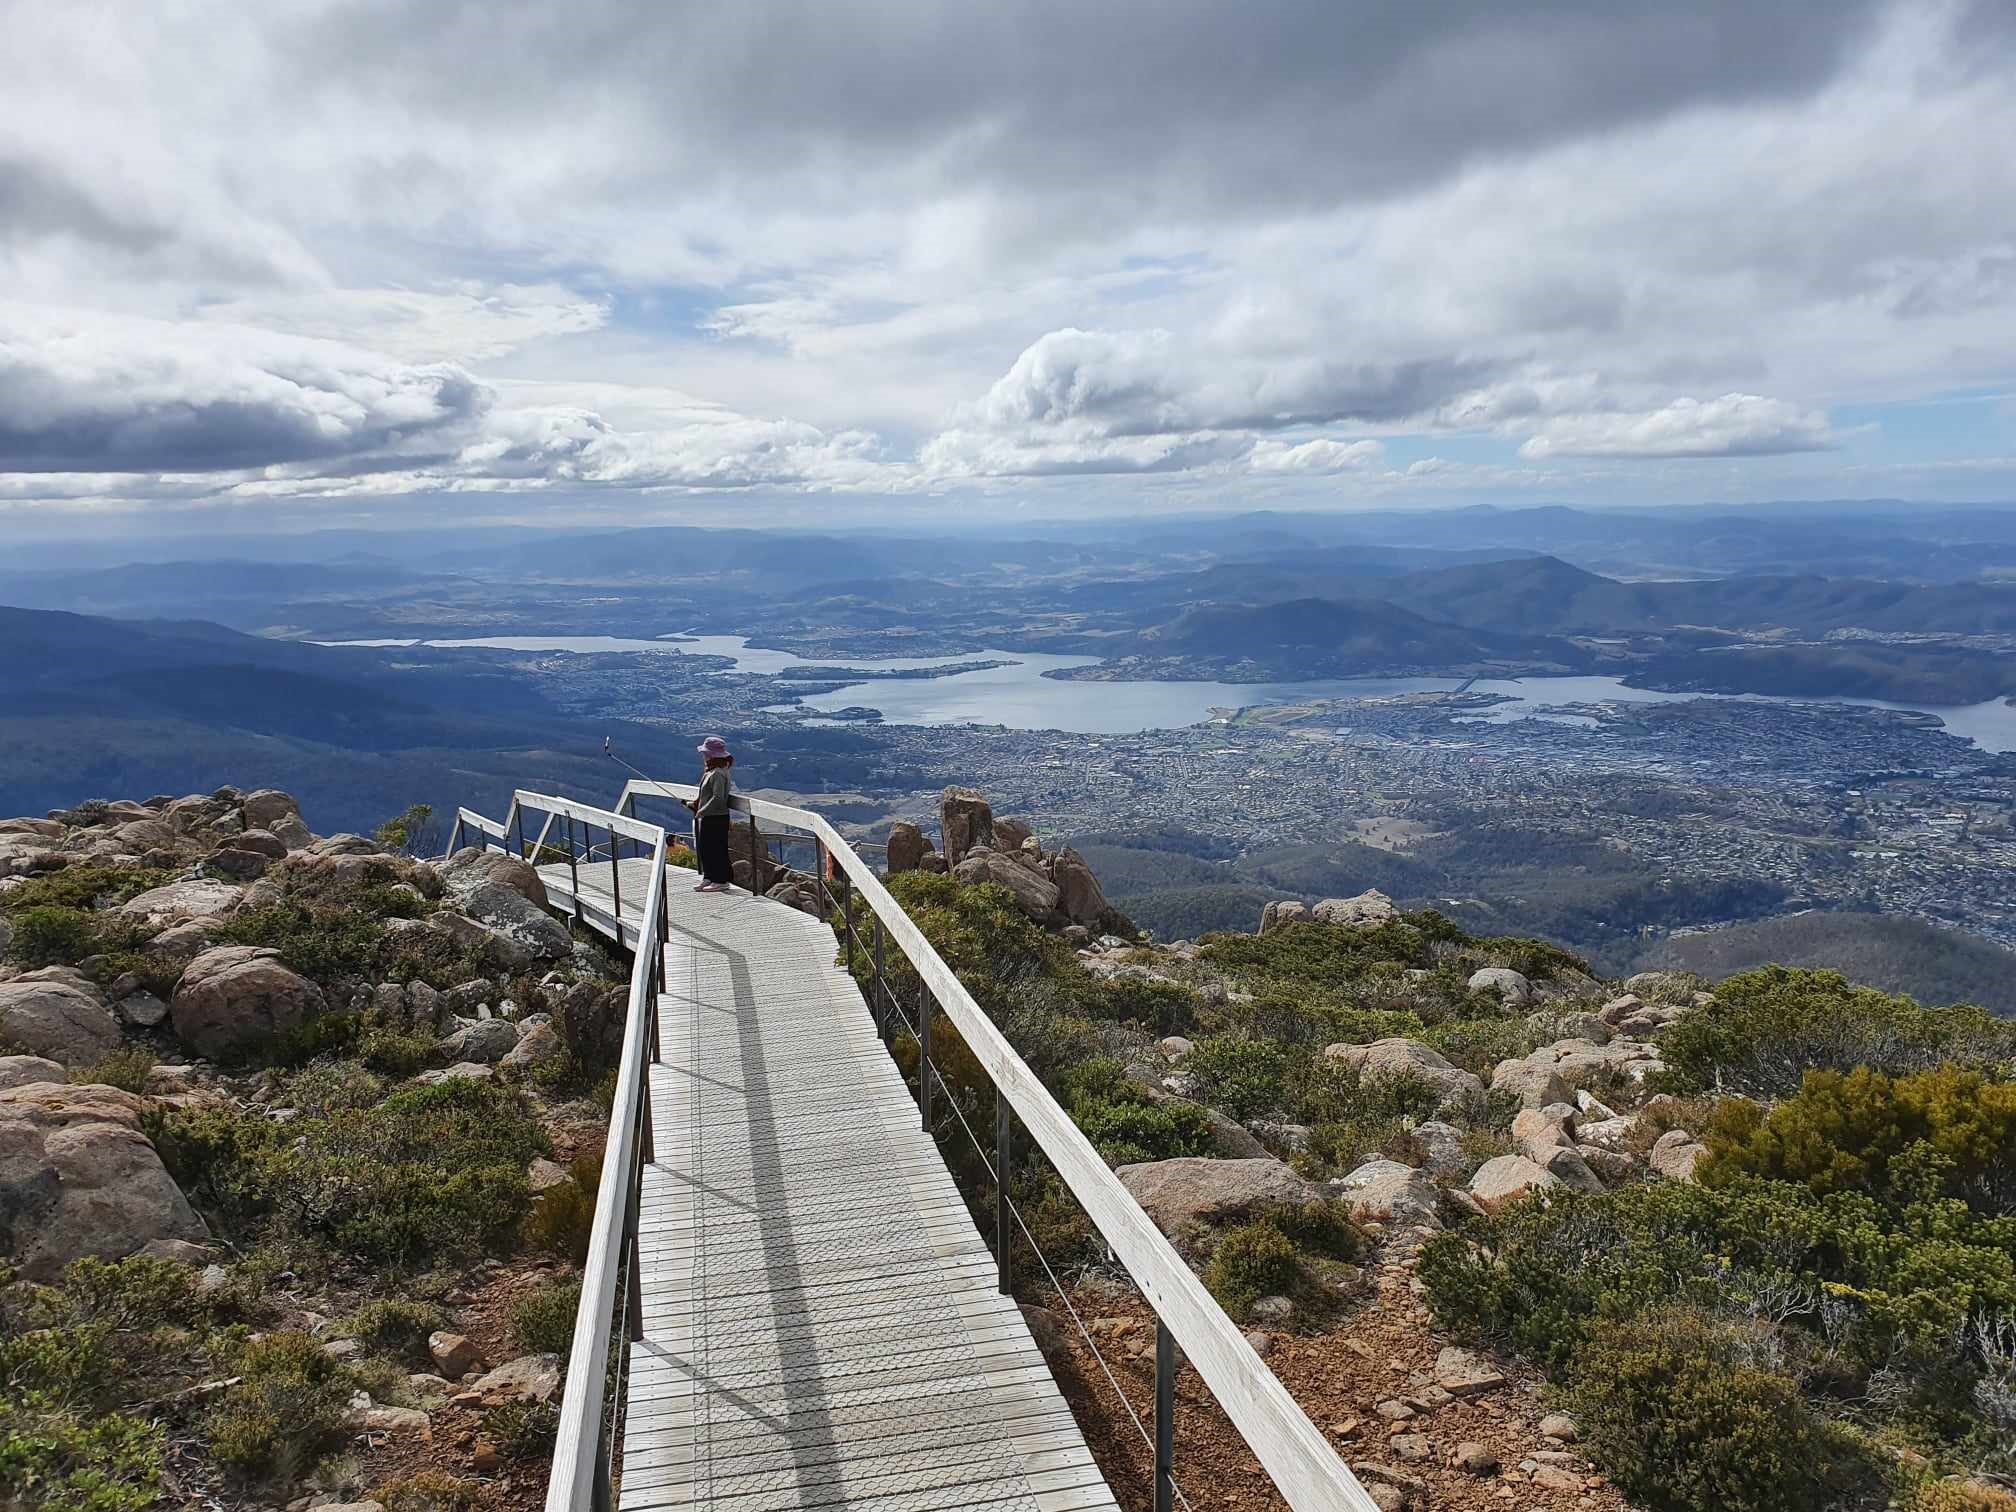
column 1193, row 105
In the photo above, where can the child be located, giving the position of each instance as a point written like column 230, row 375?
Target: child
column 710, row 809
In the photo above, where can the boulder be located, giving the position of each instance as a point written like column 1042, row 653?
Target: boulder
column 529, row 1378
column 1034, row 895
column 1395, row 1057
column 1508, row 1178
column 1604, row 1133
column 964, row 821
column 492, row 947
column 1175, row 1046
column 1285, row 911
column 239, row 865
column 1364, row 911
column 1385, row 1191
column 1188, row 1195
column 47, row 829
column 453, row 1354
column 1559, row 1428
column 56, row 1013
column 1535, row 1085
column 232, row 1000
column 506, row 911
column 26, row 1070
column 1512, row 987
column 347, row 845
column 1232, row 1140
column 1078, row 892
column 472, row 868
column 143, row 1010
column 906, row 846
column 484, row 1042
column 265, row 842
column 1011, row 835
column 265, row 808
column 195, row 898
column 1441, row 1147
column 78, row 1178
column 460, row 1071
column 934, row 863
column 1610, row 1166
column 1675, row 1154
column 1567, row 1166
column 797, row 890
column 291, row 832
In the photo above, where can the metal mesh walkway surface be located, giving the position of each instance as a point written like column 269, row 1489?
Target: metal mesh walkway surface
column 821, row 1322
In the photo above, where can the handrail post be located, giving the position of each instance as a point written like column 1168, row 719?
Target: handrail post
column 1165, row 1418
column 616, row 885
column 518, row 829
column 755, row 849
column 1003, row 1169
column 573, row 872
column 846, row 891
column 455, row 833
column 924, row 1051
column 885, row 1018
column 825, row 885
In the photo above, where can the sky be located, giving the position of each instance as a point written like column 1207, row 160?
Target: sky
column 886, row 259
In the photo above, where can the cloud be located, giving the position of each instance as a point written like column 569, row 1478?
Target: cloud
column 1735, row 425
column 1321, row 455
column 84, row 392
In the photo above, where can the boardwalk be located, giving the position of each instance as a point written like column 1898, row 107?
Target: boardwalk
column 821, row 1326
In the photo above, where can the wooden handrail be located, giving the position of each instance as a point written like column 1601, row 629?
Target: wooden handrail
column 1294, row 1452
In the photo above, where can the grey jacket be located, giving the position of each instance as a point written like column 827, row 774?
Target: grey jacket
column 713, row 797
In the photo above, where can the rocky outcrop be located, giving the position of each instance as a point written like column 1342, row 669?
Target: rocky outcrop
column 1189, row 1195
column 906, row 846
column 471, row 869
column 57, row 1013
column 1675, row 1154
column 1286, row 911
column 1386, row 1191
column 484, row 1042
column 78, row 1178
column 507, row 912
column 26, row 1070
column 1507, row 1179
column 233, row 1000
column 1079, row 894
column 1511, row 987
column 194, row 898
column 965, row 820
column 1368, row 909
column 1035, row 894
column 1404, row 1057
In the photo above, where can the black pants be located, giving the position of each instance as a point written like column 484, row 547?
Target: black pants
column 714, row 863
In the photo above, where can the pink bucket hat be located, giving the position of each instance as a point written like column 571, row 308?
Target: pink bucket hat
column 713, row 747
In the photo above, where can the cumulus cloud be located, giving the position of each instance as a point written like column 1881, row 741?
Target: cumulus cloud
column 84, row 392
column 1735, row 425
column 1321, row 455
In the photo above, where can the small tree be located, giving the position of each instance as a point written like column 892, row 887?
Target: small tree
column 413, row 833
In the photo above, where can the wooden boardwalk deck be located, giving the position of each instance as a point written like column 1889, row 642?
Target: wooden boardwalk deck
column 821, row 1327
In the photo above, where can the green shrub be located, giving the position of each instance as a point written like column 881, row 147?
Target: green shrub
column 430, row 1491
column 1245, row 1077
column 1677, row 1410
column 58, row 1460
column 397, row 1328
column 327, row 1087
column 51, row 935
column 1767, row 1028
column 1252, row 1261
column 1159, row 1007
column 562, row 1218
column 1126, row 1123
column 397, row 1052
column 413, row 833
column 322, row 941
column 286, row 1411
column 1846, row 1133
column 522, row 1430
column 137, row 1292
column 1321, row 1228
column 430, row 1171
column 393, row 900
column 125, row 1069
column 542, row 1321
column 84, row 887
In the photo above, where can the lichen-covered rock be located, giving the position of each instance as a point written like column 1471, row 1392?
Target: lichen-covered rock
column 26, row 1070
column 78, row 1178
column 485, row 1042
column 267, row 807
column 1512, row 987
column 529, row 1378
column 57, row 1013
column 1405, row 1057
column 1034, row 894
column 472, row 868
column 1191, row 1194
column 233, row 1000
column 505, row 911
column 1533, row 1084
column 1507, row 1179
column 193, row 898
column 1675, row 1154
column 1386, row 1191
column 1366, row 910
column 1284, row 911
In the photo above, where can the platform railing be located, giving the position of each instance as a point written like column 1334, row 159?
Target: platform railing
column 586, row 1436
column 1295, row 1454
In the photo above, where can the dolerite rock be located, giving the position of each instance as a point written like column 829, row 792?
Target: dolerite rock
column 529, row 1378
column 233, row 1000
column 1189, row 1195
column 1010, row 835
column 538, row 1046
column 504, row 911
column 1512, row 987
column 143, row 1010
column 57, row 1013
column 78, row 1178
column 470, row 868
column 1079, row 894
column 485, row 1042
column 267, row 807
column 195, row 898
column 239, row 865
column 796, row 890
column 1508, row 1179
column 964, row 820
column 291, row 832
column 906, row 846
column 1387, row 1191
column 1034, row 894
column 1364, row 911
column 932, row 862
column 347, row 845
column 1286, row 911
column 1675, row 1154
column 1387, row 1058
column 1534, row 1084
column 47, row 829
column 26, row 1070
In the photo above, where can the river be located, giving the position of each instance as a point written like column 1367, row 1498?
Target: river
column 1021, row 697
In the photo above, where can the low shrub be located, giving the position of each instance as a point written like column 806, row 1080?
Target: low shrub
column 286, row 1411
column 51, row 935
column 522, row 1430
column 125, row 1069
column 1245, row 1077
column 59, row 1460
column 86, row 887
column 1126, row 1123
column 397, row 1052
column 322, row 941
column 542, row 1321
column 1252, row 1261
column 1159, row 1007
column 1678, row 1411
column 562, row 1218
column 430, row 1491
column 326, row 1087
column 397, row 1328
column 1321, row 1228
